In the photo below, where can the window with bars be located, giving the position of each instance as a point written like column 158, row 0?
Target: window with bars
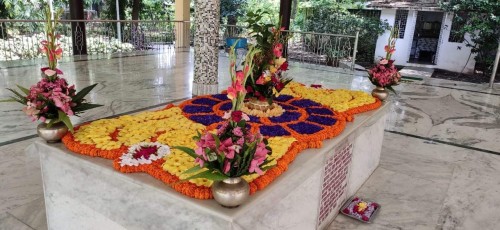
column 400, row 22
column 458, row 22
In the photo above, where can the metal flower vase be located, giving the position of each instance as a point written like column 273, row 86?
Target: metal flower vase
column 231, row 192
column 52, row 134
column 380, row 93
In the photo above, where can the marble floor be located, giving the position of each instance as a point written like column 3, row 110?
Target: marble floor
column 439, row 161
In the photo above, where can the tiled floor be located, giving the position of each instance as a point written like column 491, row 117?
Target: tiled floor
column 439, row 165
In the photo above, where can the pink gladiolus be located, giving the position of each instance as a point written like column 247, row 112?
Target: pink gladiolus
column 227, row 166
column 231, row 93
column 278, row 50
column 240, row 141
column 261, row 80
column 227, row 115
column 254, row 167
column 245, row 117
column 200, row 162
column 240, row 77
column 384, row 61
column 238, row 132
column 49, row 72
column 206, row 141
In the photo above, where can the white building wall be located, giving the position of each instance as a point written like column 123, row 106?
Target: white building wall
column 390, row 16
column 450, row 56
column 403, row 45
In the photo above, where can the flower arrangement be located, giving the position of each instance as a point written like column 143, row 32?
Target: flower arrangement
column 52, row 100
column 233, row 151
column 269, row 65
column 385, row 74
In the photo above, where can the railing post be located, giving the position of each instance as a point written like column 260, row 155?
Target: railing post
column 355, row 51
column 495, row 67
column 78, row 34
column 118, row 24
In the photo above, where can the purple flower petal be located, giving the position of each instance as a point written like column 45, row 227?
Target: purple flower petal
column 285, row 117
column 206, row 119
column 305, row 128
column 305, row 103
column 283, row 98
column 321, row 111
column 205, row 101
column 273, row 131
column 222, row 97
column 197, row 109
column 226, row 106
column 287, row 107
column 322, row 120
column 254, row 119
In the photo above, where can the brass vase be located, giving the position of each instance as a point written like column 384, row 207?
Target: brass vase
column 53, row 133
column 231, row 192
column 380, row 93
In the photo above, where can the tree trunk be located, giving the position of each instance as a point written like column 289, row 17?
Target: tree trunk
column 136, row 8
column 294, row 8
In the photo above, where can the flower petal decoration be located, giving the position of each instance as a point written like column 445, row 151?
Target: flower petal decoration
column 323, row 115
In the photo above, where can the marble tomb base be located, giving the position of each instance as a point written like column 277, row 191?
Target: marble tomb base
column 82, row 192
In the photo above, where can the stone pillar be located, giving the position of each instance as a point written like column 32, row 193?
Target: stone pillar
column 206, row 47
column 182, row 23
column 78, row 28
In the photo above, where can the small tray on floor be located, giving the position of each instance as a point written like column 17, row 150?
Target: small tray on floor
column 367, row 216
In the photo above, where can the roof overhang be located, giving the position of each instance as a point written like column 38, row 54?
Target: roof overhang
column 404, row 5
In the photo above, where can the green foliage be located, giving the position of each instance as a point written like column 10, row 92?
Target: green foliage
column 265, row 6
column 481, row 21
column 323, row 16
column 157, row 10
column 231, row 10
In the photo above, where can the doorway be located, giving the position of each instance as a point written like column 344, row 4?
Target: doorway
column 426, row 37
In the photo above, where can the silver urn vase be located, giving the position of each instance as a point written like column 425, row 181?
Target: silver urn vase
column 380, row 93
column 231, row 192
column 53, row 133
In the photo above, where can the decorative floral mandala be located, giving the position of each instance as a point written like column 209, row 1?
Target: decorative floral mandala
column 311, row 116
column 303, row 119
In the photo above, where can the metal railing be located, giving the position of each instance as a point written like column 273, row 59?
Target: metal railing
column 336, row 50
column 20, row 39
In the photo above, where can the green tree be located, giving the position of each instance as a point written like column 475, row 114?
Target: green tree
column 480, row 19
column 231, row 10
column 324, row 16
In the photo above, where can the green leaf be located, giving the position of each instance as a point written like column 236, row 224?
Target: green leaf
column 217, row 140
column 52, row 122
column 187, row 150
column 214, row 176
column 25, row 90
column 65, row 119
column 391, row 89
column 12, row 99
column 192, row 170
column 267, row 167
column 85, row 106
column 20, row 96
column 80, row 95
